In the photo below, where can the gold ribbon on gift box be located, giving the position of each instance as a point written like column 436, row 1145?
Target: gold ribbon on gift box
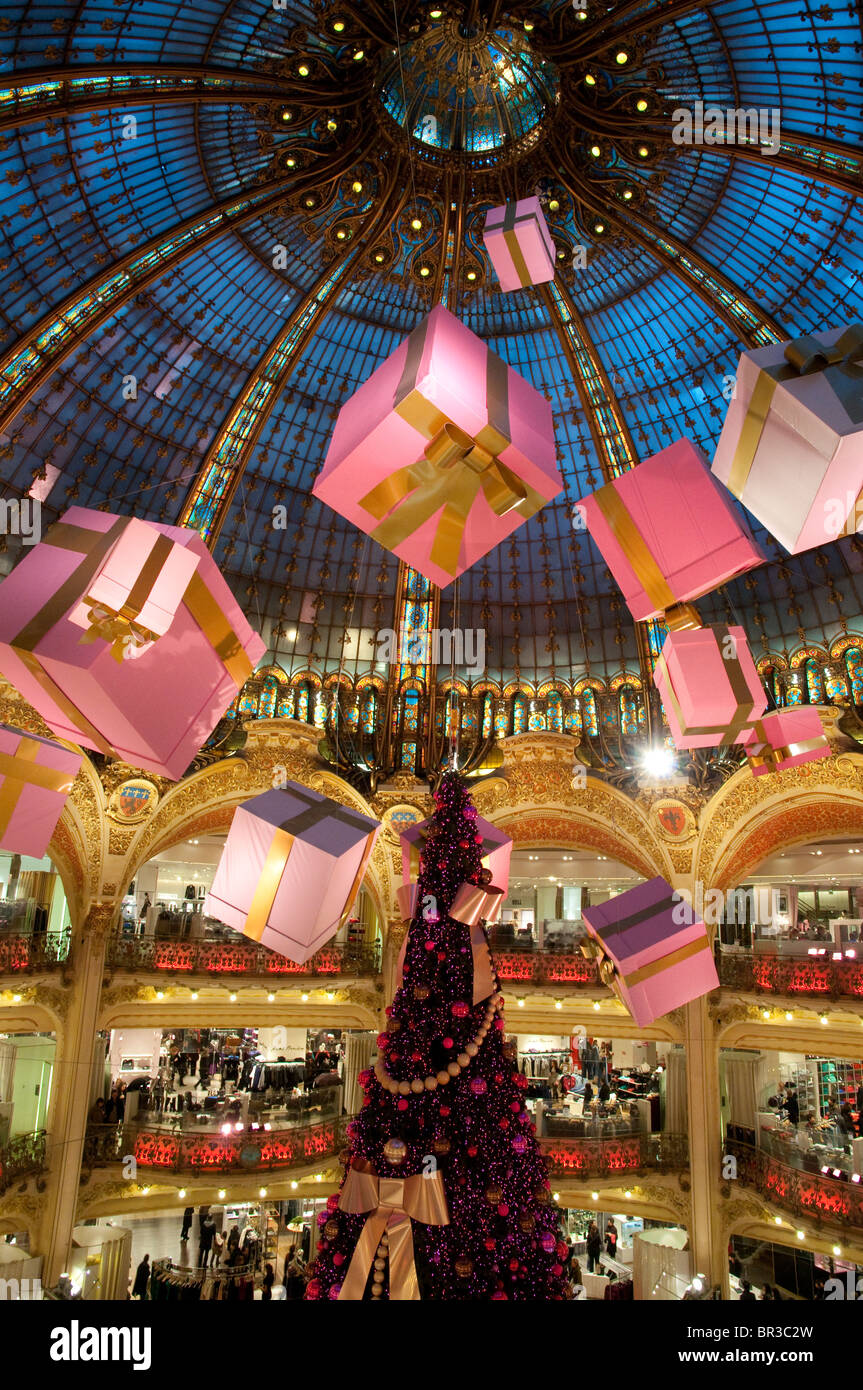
column 454, row 468
column 284, row 839
column 770, row 758
column 840, row 365
column 678, row 616
column 392, row 1204
column 19, row 770
column 742, row 717
column 510, row 221
column 94, row 547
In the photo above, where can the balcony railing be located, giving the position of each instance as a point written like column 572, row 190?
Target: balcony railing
column 803, row 1193
column 22, row 1157
column 611, row 1157
column 240, row 957
column 21, row 954
column 198, row 1154
column 524, row 962
column 777, row 974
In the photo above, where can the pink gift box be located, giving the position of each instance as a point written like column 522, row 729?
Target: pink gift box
column 496, row 850
column 36, row 777
column 144, row 575
column 786, row 738
column 709, row 686
column 156, row 705
column 291, row 869
column 443, row 452
column 668, row 531
column 519, row 244
column 656, row 951
column 791, row 446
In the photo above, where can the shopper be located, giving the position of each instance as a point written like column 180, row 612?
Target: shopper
column 604, row 1092
column 588, row 1096
column 188, row 1214
column 142, row 1278
column 746, row 1294
column 97, row 1114
column 267, row 1287
column 208, row 1232
column 792, row 1106
column 845, row 1122
column 611, row 1238
column 594, row 1247
column 295, row 1283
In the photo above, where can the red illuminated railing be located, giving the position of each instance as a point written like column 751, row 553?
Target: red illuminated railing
column 21, row 955
column 607, row 1158
column 775, row 974
column 238, row 957
column 544, row 967
column 805, row 1194
column 193, row 1153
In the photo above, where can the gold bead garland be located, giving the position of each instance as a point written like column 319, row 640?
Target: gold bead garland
column 464, row 1059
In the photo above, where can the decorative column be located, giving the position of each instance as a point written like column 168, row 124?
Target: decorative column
column 705, row 1147
column 397, row 930
column 74, row 1069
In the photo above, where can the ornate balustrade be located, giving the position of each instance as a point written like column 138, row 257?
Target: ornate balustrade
column 803, row 1193
column 198, row 1154
column 615, row 1155
column 527, row 964
column 21, row 955
column 22, row 1157
column 240, row 957
column 777, row 974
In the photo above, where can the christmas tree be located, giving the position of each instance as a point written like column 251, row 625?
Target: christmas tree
column 445, row 1194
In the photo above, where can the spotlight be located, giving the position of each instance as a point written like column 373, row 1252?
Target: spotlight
column 621, row 57
column 416, row 224
column 303, row 70
column 658, row 762
column 182, row 1192
column 554, row 205
column 589, row 80
column 332, row 124
column 221, row 1194
column 357, row 186
column 641, row 105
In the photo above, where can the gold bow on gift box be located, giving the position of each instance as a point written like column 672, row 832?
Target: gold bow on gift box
column 841, row 367
column 117, row 627
column 454, row 468
column 392, row 1203
column 592, row 950
column 770, row 758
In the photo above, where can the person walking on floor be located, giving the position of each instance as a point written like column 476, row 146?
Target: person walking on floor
column 208, row 1231
column 188, row 1215
column 267, row 1287
column 142, row 1279
column 611, row 1238
column 594, row 1247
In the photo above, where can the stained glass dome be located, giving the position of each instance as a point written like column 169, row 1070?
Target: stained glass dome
column 220, row 219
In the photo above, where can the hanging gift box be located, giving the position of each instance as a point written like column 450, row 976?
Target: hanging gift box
column 495, row 846
column 291, row 869
column 151, row 701
column 36, row 777
column 709, row 686
column 791, row 447
column 136, row 591
column 443, row 452
column 652, row 950
column 669, row 533
column 786, row 738
column 519, row 244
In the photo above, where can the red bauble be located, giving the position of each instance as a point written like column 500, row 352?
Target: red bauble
column 448, row 1042
column 515, row 1105
column 503, row 1209
column 313, row 1289
column 472, row 1150
column 383, row 1040
column 444, row 1110
column 441, row 955
column 333, row 1202
column 429, row 945
column 338, row 1259
column 490, row 1243
column 504, row 1123
column 402, row 1105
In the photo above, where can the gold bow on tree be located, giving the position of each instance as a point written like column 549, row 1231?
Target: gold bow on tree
column 117, row 627
column 392, row 1203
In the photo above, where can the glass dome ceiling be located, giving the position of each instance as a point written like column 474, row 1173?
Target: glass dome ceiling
column 468, row 90
column 213, row 232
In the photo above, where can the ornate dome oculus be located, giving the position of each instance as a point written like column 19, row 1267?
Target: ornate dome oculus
column 468, row 90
